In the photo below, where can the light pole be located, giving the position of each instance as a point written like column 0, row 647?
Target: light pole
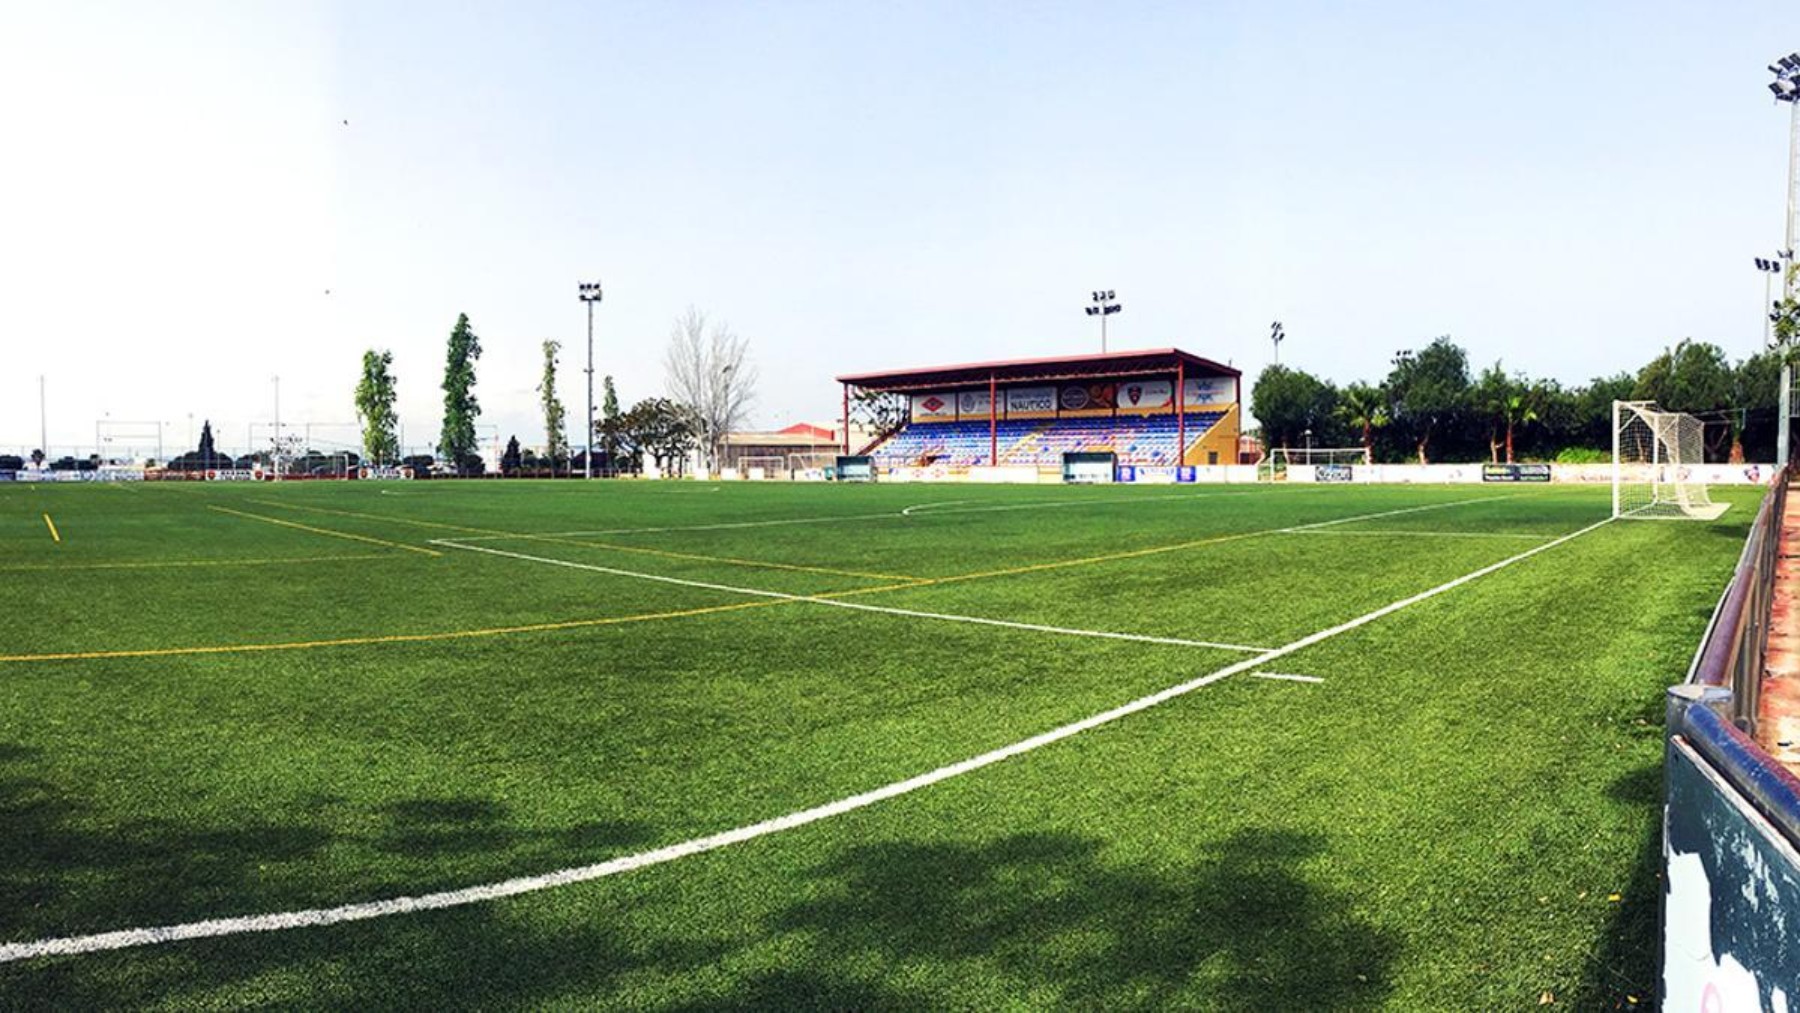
column 590, row 294
column 1771, row 267
column 1786, row 88
column 1105, row 305
column 1276, row 337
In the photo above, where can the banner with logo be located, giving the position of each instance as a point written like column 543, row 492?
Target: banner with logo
column 974, row 404
column 1030, row 400
column 1145, row 395
column 1334, row 473
column 1088, row 397
column 1209, row 390
column 1515, row 473
column 933, row 407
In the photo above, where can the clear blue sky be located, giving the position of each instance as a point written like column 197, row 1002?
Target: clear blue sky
column 1566, row 187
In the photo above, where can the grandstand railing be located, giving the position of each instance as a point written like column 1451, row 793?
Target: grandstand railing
column 1716, row 708
column 1731, row 811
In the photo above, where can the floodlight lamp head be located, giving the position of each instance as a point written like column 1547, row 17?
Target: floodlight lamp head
column 1090, row 310
column 1110, row 294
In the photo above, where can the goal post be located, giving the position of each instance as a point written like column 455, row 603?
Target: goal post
column 1656, row 463
column 1280, row 460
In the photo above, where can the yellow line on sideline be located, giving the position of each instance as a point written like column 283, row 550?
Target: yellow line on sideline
column 326, row 531
column 54, row 536
column 393, row 638
column 169, row 563
column 558, row 540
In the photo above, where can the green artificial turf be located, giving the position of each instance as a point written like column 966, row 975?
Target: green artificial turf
column 1462, row 814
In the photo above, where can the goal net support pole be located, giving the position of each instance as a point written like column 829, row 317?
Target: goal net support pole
column 1656, row 462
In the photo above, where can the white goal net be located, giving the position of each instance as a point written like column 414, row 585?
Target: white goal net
column 1280, row 460
column 1657, row 458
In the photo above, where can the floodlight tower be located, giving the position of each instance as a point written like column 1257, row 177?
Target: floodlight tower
column 1771, row 268
column 1276, row 337
column 590, row 294
column 1105, row 305
column 1786, row 88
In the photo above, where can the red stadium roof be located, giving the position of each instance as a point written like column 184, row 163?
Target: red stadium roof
column 1062, row 367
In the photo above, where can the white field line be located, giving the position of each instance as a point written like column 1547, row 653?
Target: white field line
column 1532, row 535
column 917, row 507
column 916, row 510
column 1284, row 677
column 462, row 543
column 123, row 938
column 835, row 603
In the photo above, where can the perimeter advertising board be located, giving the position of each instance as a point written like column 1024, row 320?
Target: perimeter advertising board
column 1729, row 876
column 1515, row 473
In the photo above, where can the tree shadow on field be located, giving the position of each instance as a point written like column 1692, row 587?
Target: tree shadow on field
column 64, row 873
column 1242, row 929
column 1623, row 972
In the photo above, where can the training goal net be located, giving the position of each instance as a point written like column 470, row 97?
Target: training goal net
column 762, row 467
column 1657, row 464
column 1280, row 460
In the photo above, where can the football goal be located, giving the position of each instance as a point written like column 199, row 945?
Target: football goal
column 1280, row 460
column 766, row 467
column 1656, row 464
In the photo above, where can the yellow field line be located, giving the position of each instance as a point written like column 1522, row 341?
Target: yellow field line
column 168, row 563
column 54, row 536
column 327, row 531
column 394, row 638
column 640, row 550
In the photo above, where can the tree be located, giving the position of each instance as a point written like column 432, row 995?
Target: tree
column 1290, row 402
column 1364, row 409
column 663, row 429
column 511, row 460
column 610, row 426
column 556, row 444
column 456, row 444
column 375, row 396
column 882, row 413
column 1693, row 377
column 37, row 457
column 1507, row 403
column 1756, row 390
column 709, row 372
column 1430, row 390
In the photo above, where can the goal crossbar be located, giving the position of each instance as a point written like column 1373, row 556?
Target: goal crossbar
column 1656, row 463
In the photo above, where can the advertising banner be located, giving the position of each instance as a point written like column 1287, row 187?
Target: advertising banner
column 1729, row 877
column 1077, row 397
column 1030, row 400
column 1334, row 473
column 8, row 476
column 973, row 404
column 1209, row 390
column 1139, row 395
column 932, row 407
column 1515, row 473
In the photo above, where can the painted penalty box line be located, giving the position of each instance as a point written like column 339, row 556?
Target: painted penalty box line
column 1141, row 638
column 316, row 917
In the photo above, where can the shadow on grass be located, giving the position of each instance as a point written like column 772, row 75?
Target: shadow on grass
column 62, row 872
column 1623, row 971
column 1045, row 913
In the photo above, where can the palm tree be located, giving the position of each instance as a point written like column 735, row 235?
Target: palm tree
column 1516, row 410
column 1364, row 408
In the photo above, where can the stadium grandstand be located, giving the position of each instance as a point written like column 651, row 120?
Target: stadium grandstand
column 1030, row 412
